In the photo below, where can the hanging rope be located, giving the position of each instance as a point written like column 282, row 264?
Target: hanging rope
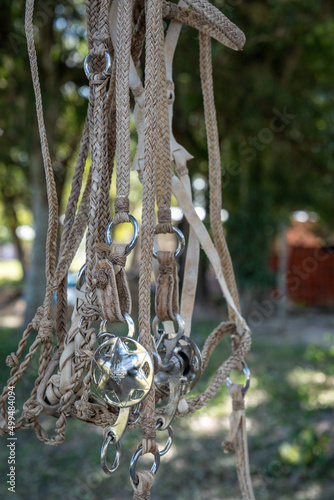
column 71, row 367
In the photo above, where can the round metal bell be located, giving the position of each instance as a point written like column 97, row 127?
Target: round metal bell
column 122, row 372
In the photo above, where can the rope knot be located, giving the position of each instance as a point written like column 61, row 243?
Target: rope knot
column 101, row 278
column 238, row 405
column 166, row 269
column 145, row 481
column 83, row 410
column 45, row 328
column 12, row 360
column 122, row 204
column 32, row 411
column 228, row 446
column 37, row 318
column 118, row 260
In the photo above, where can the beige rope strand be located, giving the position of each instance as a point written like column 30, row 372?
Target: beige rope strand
column 98, row 97
column 51, row 240
column 215, row 168
column 152, row 67
column 61, row 321
column 210, row 27
column 210, row 12
column 164, row 171
column 123, row 158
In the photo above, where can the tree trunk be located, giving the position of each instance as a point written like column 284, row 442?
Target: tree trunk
column 35, row 285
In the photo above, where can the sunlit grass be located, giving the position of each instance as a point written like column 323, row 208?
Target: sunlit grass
column 289, row 442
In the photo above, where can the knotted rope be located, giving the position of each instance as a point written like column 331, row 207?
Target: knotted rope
column 63, row 383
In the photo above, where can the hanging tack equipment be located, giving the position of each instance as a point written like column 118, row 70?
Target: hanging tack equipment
column 86, row 371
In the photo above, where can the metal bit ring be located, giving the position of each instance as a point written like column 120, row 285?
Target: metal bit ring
column 181, row 243
column 134, row 461
column 181, row 325
column 170, row 437
column 134, row 240
column 110, row 437
column 247, row 374
column 107, row 69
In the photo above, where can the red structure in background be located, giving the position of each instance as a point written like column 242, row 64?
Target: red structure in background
column 310, row 267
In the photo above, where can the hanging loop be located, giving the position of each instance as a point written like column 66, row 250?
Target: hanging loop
column 110, row 438
column 169, row 441
column 160, row 334
column 134, row 461
column 247, row 374
column 106, row 72
column 181, row 243
column 135, row 236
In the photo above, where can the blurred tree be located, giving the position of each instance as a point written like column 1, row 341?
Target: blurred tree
column 60, row 47
column 275, row 108
column 274, row 105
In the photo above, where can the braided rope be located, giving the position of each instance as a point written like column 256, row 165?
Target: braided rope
column 163, row 154
column 107, row 129
column 215, row 168
column 123, row 157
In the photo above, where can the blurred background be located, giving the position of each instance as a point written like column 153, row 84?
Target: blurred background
column 275, row 109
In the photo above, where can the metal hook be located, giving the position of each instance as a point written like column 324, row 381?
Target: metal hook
column 110, row 438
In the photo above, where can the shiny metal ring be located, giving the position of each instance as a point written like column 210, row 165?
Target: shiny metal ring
column 247, row 374
column 103, row 334
column 81, row 277
column 87, row 60
column 134, row 240
column 181, row 243
column 134, row 461
column 169, row 440
column 131, row 325
column 181, row 325
column 110, row 437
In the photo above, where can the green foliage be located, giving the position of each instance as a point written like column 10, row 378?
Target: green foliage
column 275, row 113
column 274, row 105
